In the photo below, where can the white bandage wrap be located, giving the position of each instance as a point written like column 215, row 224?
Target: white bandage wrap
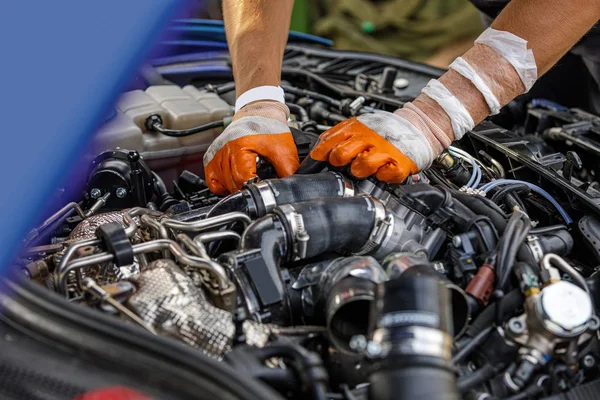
column 515, row 51
column 461, row 66
column 247, row 126
column 274, row 93
column 402, row 134
column 462, row 122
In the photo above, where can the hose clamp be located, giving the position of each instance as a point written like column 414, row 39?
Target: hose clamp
column 267, row 196
column 299, row 235
column 383, row 222
column 416, row 340
column 536, row 248
column 346, row 185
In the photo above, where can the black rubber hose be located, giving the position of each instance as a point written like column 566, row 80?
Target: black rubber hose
column 476, row 378
column 472, row 345
column 154, row 124
column 508, row 305
column 332, row 224
column 483, row 206
column 293, row 189
column 519, row 188
column 298, row 188
column 301, row 113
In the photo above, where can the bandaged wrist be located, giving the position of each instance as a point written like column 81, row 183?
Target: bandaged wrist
column 266, row 109
column 514, row 50
column 461, row 120
column 461, row 66
column 273, row 93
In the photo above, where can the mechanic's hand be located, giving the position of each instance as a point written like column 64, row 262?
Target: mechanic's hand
column 380, row 144
column 258, row 129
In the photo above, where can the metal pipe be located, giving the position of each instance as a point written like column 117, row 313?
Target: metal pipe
column 551, row 259
column 196, row 248
column 97, row 205
column 220, row 235
column 158, row 228
column 147, row 247
column 90, row 286
column 53, row 218
column 197, row 226
column 131, row 226
column 69, row 254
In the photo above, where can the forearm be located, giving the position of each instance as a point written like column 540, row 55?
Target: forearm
column 550, row 27
column 257, row 32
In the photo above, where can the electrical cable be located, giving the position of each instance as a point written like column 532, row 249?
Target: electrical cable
column 476, row 173
column 491, row 185
column 154, row 123
column 512, row 254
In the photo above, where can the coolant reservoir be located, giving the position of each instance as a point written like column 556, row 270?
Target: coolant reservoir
column 179, row 108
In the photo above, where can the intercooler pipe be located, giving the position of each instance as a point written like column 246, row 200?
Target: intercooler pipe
column 410, row 340
column 357, row 225
column 404, row 264
column 259, row 199
column 347, row 288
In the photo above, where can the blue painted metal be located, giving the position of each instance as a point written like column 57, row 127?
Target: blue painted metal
column 63, row 63
column 202, row 28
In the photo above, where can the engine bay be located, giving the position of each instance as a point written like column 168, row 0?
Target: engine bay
column 476, row 278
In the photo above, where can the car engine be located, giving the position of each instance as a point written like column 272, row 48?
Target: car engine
column 476, row 278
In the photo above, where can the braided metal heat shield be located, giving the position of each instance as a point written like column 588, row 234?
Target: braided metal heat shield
column 168, row 300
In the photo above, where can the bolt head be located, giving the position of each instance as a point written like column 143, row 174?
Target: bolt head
column 589, row 361
column 373, row 349
column 401, row 83
column 95, row 193
column 456, row 241
column 358, row 343
column 121, row 192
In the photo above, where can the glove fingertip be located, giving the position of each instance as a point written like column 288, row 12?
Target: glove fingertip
column 216, row 187
column 391, row 173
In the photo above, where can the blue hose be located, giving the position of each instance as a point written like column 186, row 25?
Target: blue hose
column 489, row 186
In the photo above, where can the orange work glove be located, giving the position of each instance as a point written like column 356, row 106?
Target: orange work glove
column 258, row 129
column 382, row 144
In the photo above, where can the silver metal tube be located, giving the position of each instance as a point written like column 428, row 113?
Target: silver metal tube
column 131, row 226
column 158, row 228
column 196, row 248
column 147, row 247
column 203, row 224
column 55, row 217
column 551, row 259
column 69, row 254
column 97, row 205
column 154, row 224
column 214, row 236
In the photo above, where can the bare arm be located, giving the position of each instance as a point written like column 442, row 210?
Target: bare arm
column 551, row 28
column 257, row 32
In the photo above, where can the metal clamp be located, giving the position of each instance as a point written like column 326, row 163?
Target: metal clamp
column 383, row 221
column 300, row 237
column 536, row 248
column 267, row 195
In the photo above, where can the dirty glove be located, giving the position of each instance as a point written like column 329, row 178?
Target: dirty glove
column 386, row 145
column 393, row 146
column 258, row 129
